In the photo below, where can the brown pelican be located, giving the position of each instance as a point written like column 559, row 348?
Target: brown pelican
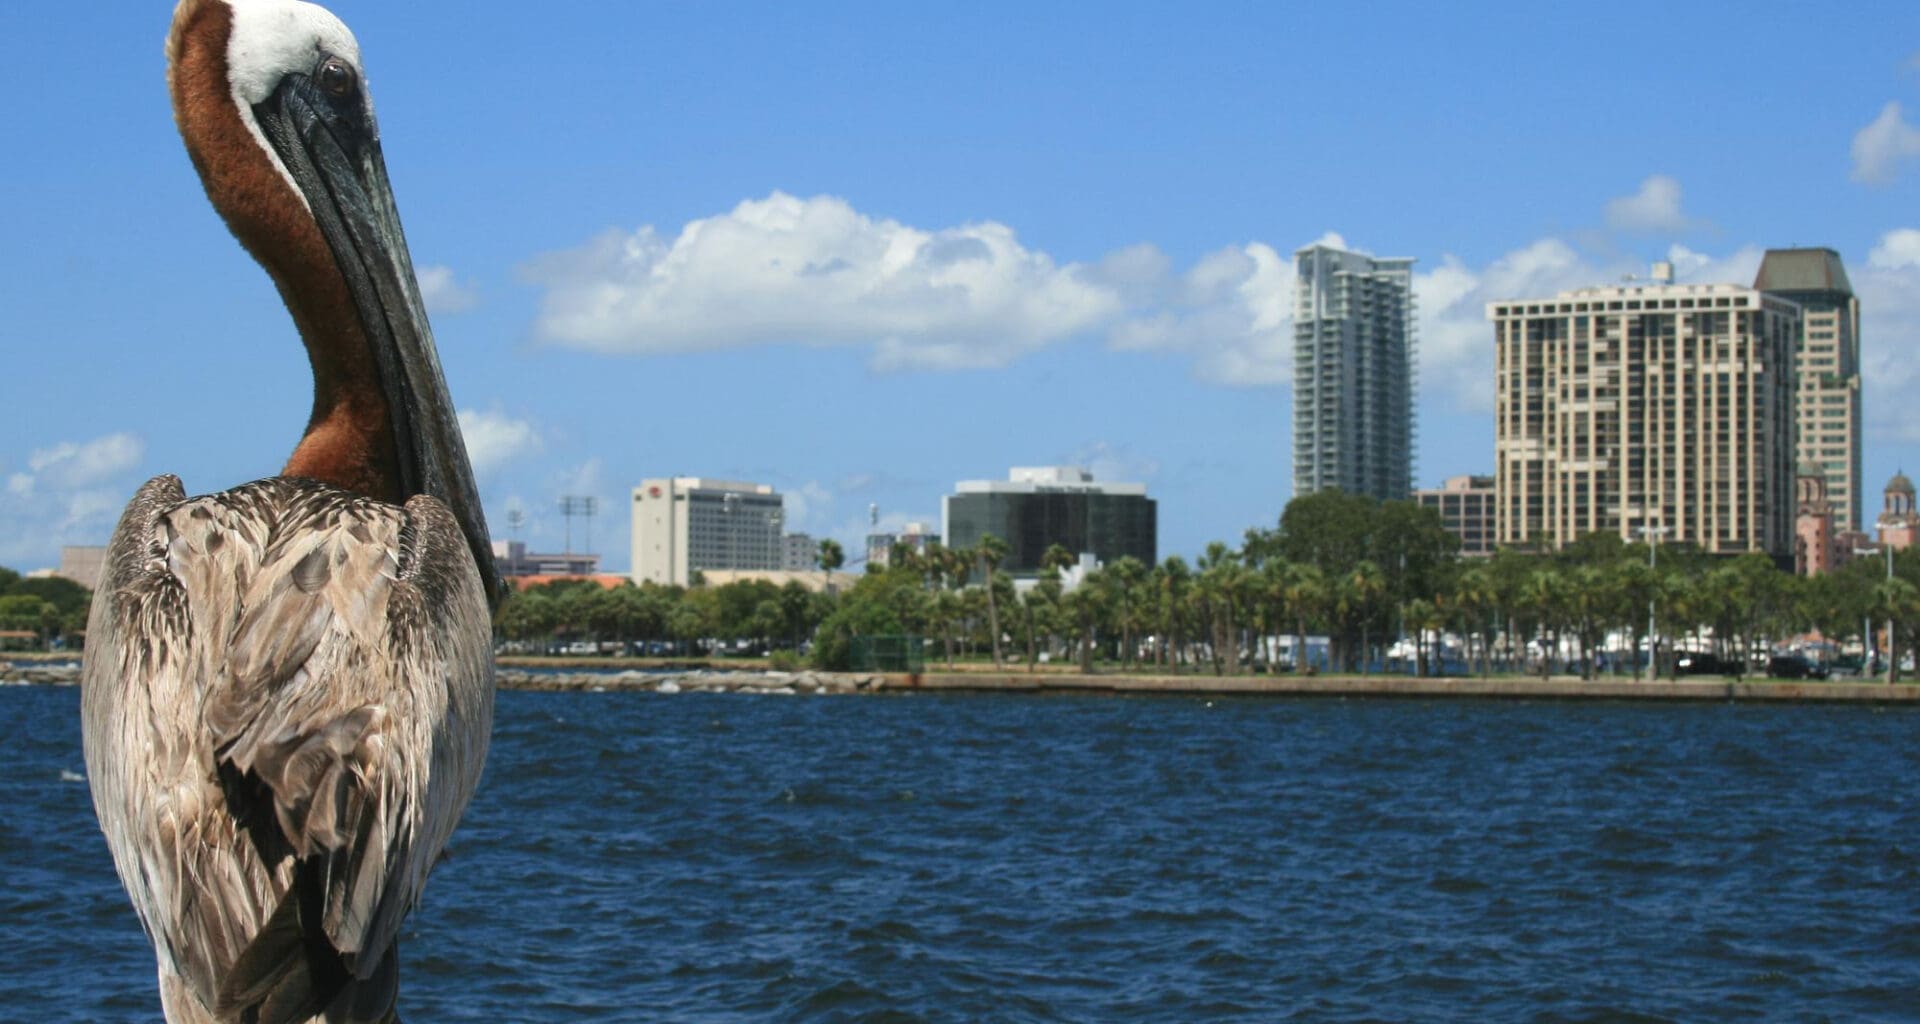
column 288, row 686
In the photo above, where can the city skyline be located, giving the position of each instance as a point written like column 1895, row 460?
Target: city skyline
column 863, row 255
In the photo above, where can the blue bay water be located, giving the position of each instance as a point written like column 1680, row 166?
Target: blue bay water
column 635, row 857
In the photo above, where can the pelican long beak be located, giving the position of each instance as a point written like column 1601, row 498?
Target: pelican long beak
column 332, row 152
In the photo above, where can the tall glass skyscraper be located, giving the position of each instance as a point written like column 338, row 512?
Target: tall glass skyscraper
column 1353, row 374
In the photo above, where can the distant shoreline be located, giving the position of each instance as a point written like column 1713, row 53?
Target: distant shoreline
column 587, row 674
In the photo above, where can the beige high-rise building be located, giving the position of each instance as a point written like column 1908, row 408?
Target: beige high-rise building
column 1662, row 406
column 1827, row 396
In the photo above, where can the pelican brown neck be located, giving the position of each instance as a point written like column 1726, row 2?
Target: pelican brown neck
column 292, row 161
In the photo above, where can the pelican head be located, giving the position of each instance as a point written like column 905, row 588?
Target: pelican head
column 272, row 103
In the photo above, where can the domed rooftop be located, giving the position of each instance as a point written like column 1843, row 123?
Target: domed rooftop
column 1900, row 483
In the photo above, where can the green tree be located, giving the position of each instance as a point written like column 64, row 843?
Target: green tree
column 991, row 551
column 1475, row 599
column 831, row 557
column 1544, row 597
column 1306, row 594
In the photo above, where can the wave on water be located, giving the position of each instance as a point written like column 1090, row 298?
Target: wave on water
column 715, row 858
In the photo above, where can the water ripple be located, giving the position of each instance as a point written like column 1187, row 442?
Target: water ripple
column 719, row 858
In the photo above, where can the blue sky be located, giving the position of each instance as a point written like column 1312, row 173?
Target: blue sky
column 861, row 252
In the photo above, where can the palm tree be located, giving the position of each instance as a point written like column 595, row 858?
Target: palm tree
column 1542, row 595
column 1171, row 579
column 1305, row 593
column 991, row 551
column 1895, row 600
column 1224, row 583
column 1474, row 597
column 832, row 556
column 1084, row 603
column 1123, row 582
column 1365, row 586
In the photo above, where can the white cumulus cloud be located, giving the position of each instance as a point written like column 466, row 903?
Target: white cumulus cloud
column 817, row 271
column 442, row 292
column 1899, row 249
column 494, row 438
column 1653, row 209
column 1233, row 312
column 1889, row 291
column 1883, row 146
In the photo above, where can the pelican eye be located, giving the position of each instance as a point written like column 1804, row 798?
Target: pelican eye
column 337, row 78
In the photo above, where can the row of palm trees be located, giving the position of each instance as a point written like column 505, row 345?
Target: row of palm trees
column 1387, row 573
column 1369, row 577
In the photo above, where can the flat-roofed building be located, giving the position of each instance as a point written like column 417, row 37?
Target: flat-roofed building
column 512, row 559
column 918, row 537
column 82, row 564
column 1466, row 505
column 1353, row 373
column 687, row 524
column 799, row 552
column 1646, row 406
column 1827, row 389
column 1038, row 507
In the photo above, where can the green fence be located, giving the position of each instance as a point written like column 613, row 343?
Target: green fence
column 889, row 654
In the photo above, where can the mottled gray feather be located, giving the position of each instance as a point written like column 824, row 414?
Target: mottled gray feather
column 287, row 697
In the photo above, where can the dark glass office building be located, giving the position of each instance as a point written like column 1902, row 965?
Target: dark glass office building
column 1039, row 508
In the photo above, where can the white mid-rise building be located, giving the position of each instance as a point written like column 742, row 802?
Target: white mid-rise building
column 684, row 525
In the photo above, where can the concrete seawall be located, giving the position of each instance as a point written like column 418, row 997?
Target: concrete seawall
column 1513, row 688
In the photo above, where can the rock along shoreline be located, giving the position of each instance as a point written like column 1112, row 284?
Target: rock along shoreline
column 812, row 683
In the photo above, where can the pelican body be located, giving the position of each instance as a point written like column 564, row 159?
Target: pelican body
column 288, row 686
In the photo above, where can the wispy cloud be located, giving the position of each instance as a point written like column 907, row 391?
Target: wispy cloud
column 69, row 493
column 1883, row 147
column 1654, row 209
column 494, row 438
column 1889, row 290
column 819, row 272
column 443, row 293
column 1112, row 463
column 1232, row 313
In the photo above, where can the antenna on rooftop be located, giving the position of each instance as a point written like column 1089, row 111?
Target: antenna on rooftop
column 873, row 514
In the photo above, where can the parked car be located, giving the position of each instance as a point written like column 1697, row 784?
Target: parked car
column 1699, row 663
column 1795, row 666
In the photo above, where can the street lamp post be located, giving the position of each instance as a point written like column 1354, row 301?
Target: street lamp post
column 1866, row 624
column 1653, row 589
column 1893, row 649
